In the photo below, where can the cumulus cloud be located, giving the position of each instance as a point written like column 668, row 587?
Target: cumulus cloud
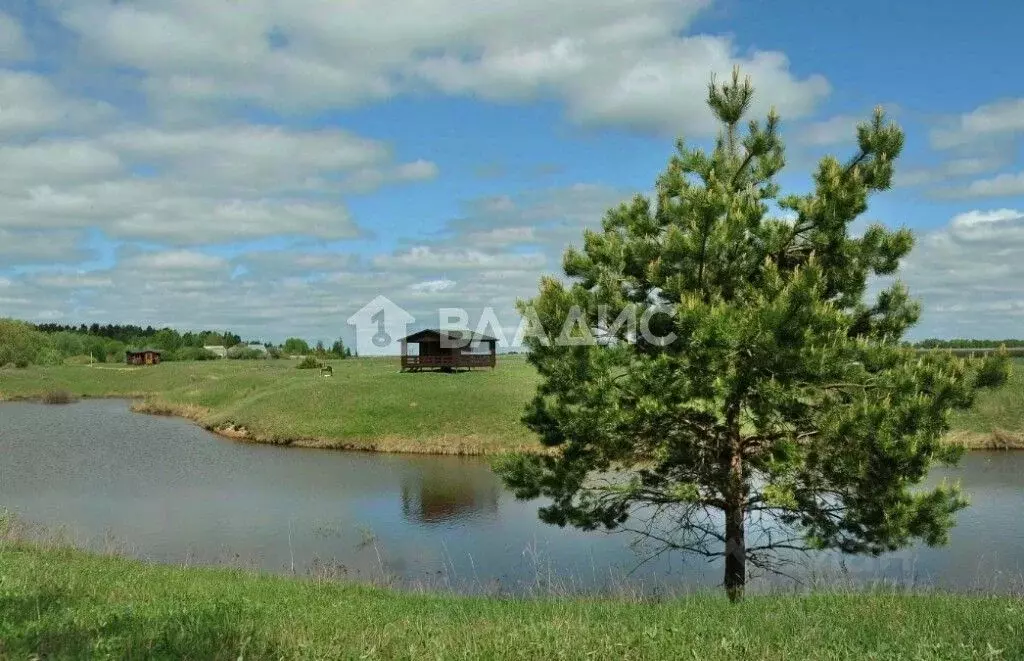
column 199, row 186
column 161, row 211
column 21, row 248
column 989, row 121
column 30, row 104
column 432, row 286
column 968, row 275
column 313, row 288
column 1002, row 185
column 608, row 61
column 835, row 130
column 951, row 169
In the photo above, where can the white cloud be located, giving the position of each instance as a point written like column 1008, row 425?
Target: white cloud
column 434, row 259
column 53, row 162
column 176, row 260
column 29, row 104
column 835, row 130
column 432, row 286
column 14, row 45
column 163, row 211
column 207, row 185
column 39, row 247
column 968, row 275
column 1005, row 117
column 248, row 156
column 950, row 169
column 312, row 290
column 608, row 61
column 1002, row 185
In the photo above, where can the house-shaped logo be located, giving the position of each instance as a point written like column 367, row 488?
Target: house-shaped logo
column 380, row 324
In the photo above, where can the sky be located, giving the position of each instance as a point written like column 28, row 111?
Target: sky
column 271, row 167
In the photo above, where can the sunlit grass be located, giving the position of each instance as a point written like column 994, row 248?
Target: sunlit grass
column 63, row 603
column 367, row 403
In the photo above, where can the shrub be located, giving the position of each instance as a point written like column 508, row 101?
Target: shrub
column 49, row 356
column 193, row 353
column 58, row 397
column 245, row 353
column 20, row 343
column 309, row 363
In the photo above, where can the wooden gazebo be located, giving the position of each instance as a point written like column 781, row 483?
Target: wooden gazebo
column 448, row 350
column 142, row 357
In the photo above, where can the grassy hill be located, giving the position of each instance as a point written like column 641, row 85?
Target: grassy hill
column 368, row 404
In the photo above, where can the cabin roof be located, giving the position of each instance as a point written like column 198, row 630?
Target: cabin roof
column 435, row 335
column 136, row 351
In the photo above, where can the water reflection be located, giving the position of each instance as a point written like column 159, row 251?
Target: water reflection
column 172, row 491
column 438, row 495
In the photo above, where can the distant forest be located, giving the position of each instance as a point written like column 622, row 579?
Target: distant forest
column 23, row 344
column 967, row 344
column 162, row 338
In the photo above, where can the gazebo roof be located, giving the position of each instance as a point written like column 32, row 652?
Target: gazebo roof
column 451, row 335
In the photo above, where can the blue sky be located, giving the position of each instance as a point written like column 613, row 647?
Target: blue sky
column 271, row 169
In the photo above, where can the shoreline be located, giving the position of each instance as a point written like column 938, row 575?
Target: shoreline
column 142, row 403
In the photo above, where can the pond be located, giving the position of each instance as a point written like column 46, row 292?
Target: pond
column 166, row 490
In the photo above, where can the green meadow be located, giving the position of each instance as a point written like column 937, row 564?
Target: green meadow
column 367, row 404
column 61, row 603
column 370, row 405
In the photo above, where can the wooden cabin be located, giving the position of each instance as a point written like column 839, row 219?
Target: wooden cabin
column 143, row 357
column 448, row 350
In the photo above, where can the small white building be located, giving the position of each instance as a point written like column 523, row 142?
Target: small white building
column 221, row 351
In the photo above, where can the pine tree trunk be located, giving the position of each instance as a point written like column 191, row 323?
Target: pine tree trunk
column 735, row 554
column 735, row 535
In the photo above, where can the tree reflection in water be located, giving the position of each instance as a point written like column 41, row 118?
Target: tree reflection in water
column 446, row 493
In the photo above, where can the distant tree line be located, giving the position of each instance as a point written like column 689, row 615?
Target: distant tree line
column 967, row 344
column 23, row 344
column 158, row 338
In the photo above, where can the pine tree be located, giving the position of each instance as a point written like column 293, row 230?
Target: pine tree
column 763, row 405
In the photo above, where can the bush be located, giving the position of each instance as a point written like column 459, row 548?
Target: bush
column 193, row 353
column 20, row 343
column 309, row 363
column 58, row 397
column 49, row 356
column 245, row 353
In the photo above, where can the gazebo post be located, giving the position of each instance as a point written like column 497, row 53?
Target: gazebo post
column 405, row 353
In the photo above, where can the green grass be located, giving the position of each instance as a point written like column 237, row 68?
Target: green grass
column 368, row 404
column 997, row 418
column 63, row 603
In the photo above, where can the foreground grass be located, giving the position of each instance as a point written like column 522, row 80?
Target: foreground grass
column 63, row 603
column 369, row 405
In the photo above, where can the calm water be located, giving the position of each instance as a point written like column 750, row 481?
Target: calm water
column 163, row 489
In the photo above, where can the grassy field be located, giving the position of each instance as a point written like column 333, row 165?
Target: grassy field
column 63, row 603
column 368, row 404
